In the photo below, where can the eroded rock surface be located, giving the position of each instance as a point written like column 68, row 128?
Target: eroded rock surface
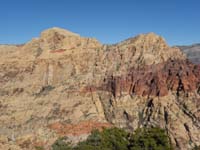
column 156, row 80
column 66, row 80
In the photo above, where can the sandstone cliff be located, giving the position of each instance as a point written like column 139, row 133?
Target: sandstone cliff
column 64, row 84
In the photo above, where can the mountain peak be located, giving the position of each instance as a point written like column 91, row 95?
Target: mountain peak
column 151, row 38
column 56, row 30
column 147, row 41
column 62, row 79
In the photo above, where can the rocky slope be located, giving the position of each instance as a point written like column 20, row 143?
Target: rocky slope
column 192, row 52
column 62, row 84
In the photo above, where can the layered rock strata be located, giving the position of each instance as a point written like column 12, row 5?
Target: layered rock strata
column 62, row 80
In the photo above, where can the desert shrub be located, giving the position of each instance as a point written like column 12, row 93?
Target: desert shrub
column 150, row 139
column 108, row 139
column 39, row 148
column 119, row 139
column 60, row 144
column 196, row 148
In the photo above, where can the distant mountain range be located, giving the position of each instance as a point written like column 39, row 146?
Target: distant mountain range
column 192, row 52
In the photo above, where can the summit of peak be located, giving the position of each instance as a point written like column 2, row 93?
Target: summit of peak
column 153, row 37
column 56, row 30
column 148, row 40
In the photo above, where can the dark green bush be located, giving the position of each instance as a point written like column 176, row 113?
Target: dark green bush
column 60, row 144
column 119, row 139
column 108, row 139
column 39, row 148
column 150, row 139
column 196, row 148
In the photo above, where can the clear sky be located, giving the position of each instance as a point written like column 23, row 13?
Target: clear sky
column 110, row 21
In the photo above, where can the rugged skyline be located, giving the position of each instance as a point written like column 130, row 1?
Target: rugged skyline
column 108, row 21
column 192, row 52
column 63, row 84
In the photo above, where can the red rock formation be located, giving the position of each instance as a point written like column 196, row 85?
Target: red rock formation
column 58, row 51
column 156, row 80
column 84, row 127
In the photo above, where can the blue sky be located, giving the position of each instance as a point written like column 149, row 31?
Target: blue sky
column 110, row 21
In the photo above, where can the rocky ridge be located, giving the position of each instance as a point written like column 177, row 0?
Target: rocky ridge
column 192, row 52
column 61, row 80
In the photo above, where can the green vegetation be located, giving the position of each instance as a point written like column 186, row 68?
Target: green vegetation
column 60, row 144
column 108, row 139
column 39, row 148
column 119, row 139
column 150, row 139
column 118, row 66
column 196, row 148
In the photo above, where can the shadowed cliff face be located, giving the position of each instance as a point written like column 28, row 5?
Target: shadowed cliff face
column 63, row 81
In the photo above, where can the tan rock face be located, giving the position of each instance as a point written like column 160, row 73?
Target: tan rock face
column 84, row 127
column 64, row 79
